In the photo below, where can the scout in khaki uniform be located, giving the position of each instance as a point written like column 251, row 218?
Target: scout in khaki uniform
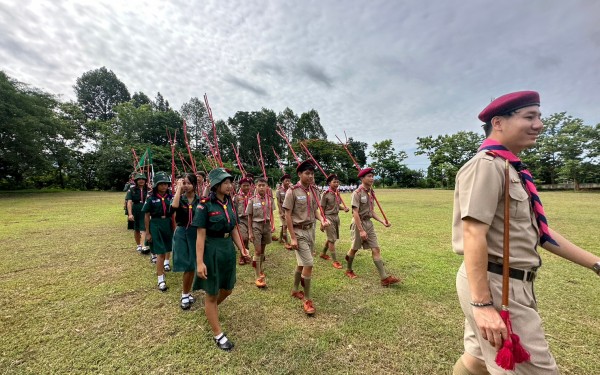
column 135, row 198
column 217, row 231
column 331, row 203
column 260, row 212
column 240, row 201
column 286, row 181
column 158, row 220
column 301, row 211
column 184, row 239
column 512, row 124
column 362, row 231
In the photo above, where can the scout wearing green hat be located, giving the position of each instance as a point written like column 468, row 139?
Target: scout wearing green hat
column 362, row 230
column 217, row 231
column 158, row 219
column 260, row 212
column 135, row 198
column 184, row 239
column 301, row 212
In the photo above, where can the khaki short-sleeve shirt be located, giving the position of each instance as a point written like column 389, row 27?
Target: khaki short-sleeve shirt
column 258, row 207
column 298, row 201
column 479, row 195
column 241, row 202
column 330, row 204
column 362, row 200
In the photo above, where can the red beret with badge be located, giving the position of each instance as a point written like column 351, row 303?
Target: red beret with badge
column 364, row 172
column 508, row 103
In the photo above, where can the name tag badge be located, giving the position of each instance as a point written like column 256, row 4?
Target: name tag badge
column 214, row 213
column 155, row 200
column 258, row 205
column 302, row 197
column 363, row 199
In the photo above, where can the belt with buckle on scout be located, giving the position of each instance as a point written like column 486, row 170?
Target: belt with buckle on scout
column 210, row 233
column 303, row 227
column 513, row 272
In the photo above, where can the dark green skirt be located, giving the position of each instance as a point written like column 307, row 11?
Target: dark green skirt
column 184, row 249
column 220, row 260
column 138, row 217
column 162, row 235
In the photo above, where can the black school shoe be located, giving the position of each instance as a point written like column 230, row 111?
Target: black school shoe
column 162, row 286
column 227, row 346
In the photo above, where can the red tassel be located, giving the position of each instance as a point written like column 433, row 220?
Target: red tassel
column 521, row 355
column 505, row 357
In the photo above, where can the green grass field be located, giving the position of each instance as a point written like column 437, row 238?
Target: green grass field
column 75, row 297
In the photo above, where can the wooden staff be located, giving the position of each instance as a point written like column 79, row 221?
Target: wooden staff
column 236, row 152
column 358, row 168
column 337, row 193
column 287, row 141
column 278, row 160
column 136, row 160
column 187, row 145
column 214, row 127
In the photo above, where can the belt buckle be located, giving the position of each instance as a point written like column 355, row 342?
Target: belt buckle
column 226, row 235
column 531, row 275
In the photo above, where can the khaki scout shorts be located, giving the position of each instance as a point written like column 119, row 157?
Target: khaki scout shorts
column 262, row 234
column 525, row 320
column 357, row 242
column 243, row 226
column 306, row 242
column 333, row 230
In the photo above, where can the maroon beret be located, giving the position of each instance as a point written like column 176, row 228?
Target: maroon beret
column 332, row 177
column 305, row 165
column 245, row 180
column 364, row 172
column 284, row 177
column 508, row 103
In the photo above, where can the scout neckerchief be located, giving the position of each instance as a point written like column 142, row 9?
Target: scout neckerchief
column 265, row 207
column 527, row 179
column 369, row 196
column 142, row 198
column 246, row 198
column 335, row 194
column 162, row 200
column 307, row 191
column 190, row 208
column 224, row 205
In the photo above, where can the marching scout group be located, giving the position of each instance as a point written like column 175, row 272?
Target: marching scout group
column 210, row 217
column 208, row 224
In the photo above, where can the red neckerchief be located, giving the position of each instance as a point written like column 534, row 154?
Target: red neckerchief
column 224, row 205
column 265, row 206
column 162, row 200
column 142, row 199
column 246, row 198
column 307, row 191
column 369, row 196
column 335, row 194
column 190, row 208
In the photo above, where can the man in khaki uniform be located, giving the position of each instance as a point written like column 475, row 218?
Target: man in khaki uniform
column 286, row 181
column 301, row 211
column 240, row 201
column 260, row 213
column 362, row 230
column 512, row 124
column 331, row 203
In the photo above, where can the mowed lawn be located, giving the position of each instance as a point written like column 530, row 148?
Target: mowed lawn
column 75, row 297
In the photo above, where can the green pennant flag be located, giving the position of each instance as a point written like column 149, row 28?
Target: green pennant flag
column 146, row 158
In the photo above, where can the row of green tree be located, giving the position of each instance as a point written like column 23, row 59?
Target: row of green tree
column 88, row 143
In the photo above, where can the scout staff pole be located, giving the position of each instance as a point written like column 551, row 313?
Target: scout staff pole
column 358, row 167
column 287, row 141
column 512, row 352
column 270, row 195
column 337, row 193
column 187, row 145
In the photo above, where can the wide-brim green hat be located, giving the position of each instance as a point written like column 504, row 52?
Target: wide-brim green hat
column 161, row 177
column 140, row 176
column 216, row 176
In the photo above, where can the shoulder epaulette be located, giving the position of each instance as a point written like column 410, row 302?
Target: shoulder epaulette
column 491, row 153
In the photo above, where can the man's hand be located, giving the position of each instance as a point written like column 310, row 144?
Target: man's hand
column 490, row 325
column 294, row 244
column 130, row 217
column 387, row 224
column 148, row 236
column 325, row 223
column 346, row 209
column 363, row 235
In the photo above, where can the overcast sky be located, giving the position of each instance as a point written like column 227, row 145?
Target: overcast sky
column 376, row 69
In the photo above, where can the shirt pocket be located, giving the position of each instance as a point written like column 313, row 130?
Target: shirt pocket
column 217, row 223
column 519, row 203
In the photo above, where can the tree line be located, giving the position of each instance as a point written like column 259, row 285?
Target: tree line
column 87, row 143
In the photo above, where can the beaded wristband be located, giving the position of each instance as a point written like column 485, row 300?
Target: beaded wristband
column 478, row 304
